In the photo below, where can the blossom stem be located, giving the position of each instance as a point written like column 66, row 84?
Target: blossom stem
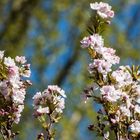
column 2, row 135
column 6, row 134
column 115, row 130
column 49, row 129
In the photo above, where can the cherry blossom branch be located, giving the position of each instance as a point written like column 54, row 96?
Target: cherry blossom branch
column 118, row 90
column 12, row 92
column 49, row 107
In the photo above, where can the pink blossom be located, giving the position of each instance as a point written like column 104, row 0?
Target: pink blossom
column 13, row 71
column 36, row 98
column 109, row 55
column 85, row 43
column 101, row 65
column 55, row 88
column 122, row 76
column 13, row 87
column 103, row 9
column 50, row 100
column 15, row 80
column 113, row 121
column 4, row 89
column 119, row 89
column 18, row 96
column 18, row 113
column 21, row 59
column 60, row 105
column 110, row 93
column 94, row 41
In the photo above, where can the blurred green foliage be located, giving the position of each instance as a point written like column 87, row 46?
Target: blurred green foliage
column 48, row 33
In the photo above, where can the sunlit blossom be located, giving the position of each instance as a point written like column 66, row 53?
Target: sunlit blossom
column 103, row 9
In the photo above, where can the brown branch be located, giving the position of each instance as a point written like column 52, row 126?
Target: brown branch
column 66, row 69
column 24, row 11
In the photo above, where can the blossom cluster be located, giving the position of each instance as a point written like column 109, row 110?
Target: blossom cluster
column 48, row 105
column 50, row 101
column 13, row 86
column 119, row 90
column 103, row 9
column 104, row 57
column 48, row 108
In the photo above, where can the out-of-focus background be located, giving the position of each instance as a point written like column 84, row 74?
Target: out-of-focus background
column 48, row 33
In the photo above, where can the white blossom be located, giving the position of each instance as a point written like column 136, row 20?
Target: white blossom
column 137, row 108
column 135, row 127
column 43, row 110
column 106, row 135
column 122, row 76
column 125, row 111
column 9, row 62
column 1, row 55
